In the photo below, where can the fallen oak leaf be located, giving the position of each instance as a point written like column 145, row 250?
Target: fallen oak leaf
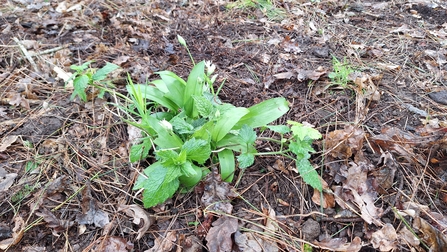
column 219, row 236
column 138, row 213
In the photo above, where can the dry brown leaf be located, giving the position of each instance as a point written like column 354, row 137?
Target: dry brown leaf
column 385, row 239
column 219, row 236
column 53, row 222
column 91, row 214
column 340, row 244
column 433, row 237
column 406, row 236
column 217, row 191
column 6, row 179
column 7, row 141
column 138, row 214
column 164, row 244
column 17, row 233
column 384, row 176
column 342, row 144
column 328, row 196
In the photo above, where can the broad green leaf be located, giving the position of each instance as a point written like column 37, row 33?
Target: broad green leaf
column 301, row 149
column 152, row 177
column 191, row 181
column 308, row 173
column 194, row 86
column 245, row 160
column 204, row 131
column 226, row 122
column 281, row 129
column 247, row 134
column 140, row 151
column 181, row 126
column 164, row 192
column 160, row 84
column 80, row 83
column 165, row 139
column 198, row 150
column 204, row 106
column 102, row 73
column 153, row 94
column 167, row 156
column 176, row 87
column 173, row 173
column 233, row 142
column 264, row 113
column 227, row 164
column 187, row 170
column 301, row 131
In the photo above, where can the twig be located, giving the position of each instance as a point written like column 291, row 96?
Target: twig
column 27, row 54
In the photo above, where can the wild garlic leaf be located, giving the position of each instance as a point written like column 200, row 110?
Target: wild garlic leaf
column 308, row 173
column 245, row 160
column 247, row 135
column 198, row 150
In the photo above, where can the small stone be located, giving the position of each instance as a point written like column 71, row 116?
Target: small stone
column 310, row 229
column 439, row 97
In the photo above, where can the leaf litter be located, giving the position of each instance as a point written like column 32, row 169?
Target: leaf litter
column 389, row 159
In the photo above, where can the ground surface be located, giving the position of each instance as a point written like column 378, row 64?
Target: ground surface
column 65, row 179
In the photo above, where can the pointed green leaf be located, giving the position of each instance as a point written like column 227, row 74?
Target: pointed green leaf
column 152, row 177
column 187, row 170
column 153, row 94
column 308, row 173
column 226, row 122
column 176, row 87
column 264, row 113
column 194, row 86
column 204, row 106
column 227, row 164
column 164, row 192
column 140, row 151
column 80, row 83
column 104, row 71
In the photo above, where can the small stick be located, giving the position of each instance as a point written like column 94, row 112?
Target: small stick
column 27, row 55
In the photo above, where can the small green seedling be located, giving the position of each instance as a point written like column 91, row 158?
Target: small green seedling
column 342, row 70
column 85, row 77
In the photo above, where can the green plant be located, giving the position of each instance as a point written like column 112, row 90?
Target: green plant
column 188, row 129
column 266, row 6
column 187, row 126
column 341, row 72
column 85, row 77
